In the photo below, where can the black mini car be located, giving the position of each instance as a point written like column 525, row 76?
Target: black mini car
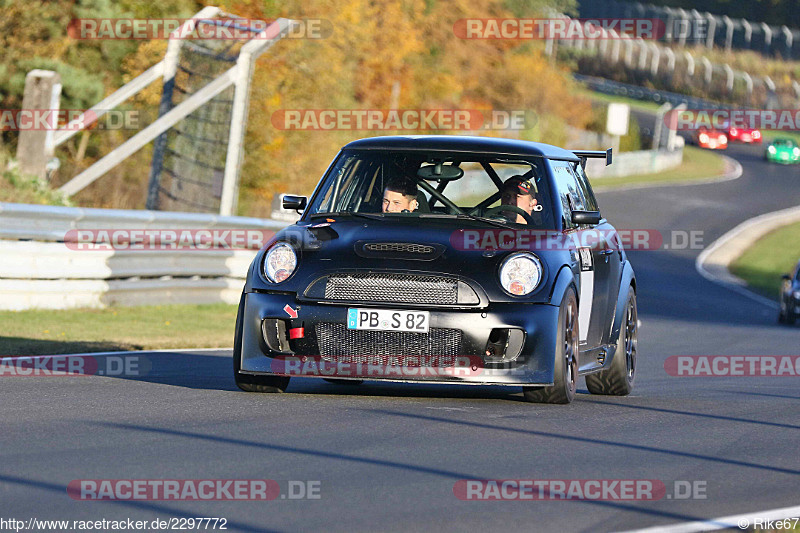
column 444, row 259
column 790, row 297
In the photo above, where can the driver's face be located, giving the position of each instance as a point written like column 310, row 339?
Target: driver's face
column 526, row 202
column 395, row 202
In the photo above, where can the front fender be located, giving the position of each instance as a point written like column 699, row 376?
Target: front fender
column 564, row 279
column 627, row 283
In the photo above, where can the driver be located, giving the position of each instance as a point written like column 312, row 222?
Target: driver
column 519, row 192
column 400, row 196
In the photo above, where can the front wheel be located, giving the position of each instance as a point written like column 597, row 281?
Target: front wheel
column 248, row 382
column 565, row 373
column 617, row 380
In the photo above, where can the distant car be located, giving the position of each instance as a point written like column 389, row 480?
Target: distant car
column 790, row 297
column 383, row 271
column 783, row 151
column 711, row 139
column 744, row 135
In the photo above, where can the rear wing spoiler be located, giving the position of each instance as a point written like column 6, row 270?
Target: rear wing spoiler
column 585, row 154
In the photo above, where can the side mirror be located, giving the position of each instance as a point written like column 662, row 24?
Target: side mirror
column 294, row 202
column 591, row 218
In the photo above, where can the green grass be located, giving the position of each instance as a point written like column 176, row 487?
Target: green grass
column 42, row 332
column 15, row 187
column 697, row 164
column 644, row 105
column 773, row 255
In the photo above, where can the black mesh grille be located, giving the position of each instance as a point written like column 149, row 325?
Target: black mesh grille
column 362, row 346
column 392, row 288
column 404, row 247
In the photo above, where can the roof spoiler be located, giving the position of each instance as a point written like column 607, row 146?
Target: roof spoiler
column 585, row 154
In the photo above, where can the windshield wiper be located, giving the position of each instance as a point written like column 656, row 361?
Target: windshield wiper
column 493, row 222
column 370, row 216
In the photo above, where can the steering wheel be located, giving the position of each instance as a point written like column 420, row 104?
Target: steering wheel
column 497, row 209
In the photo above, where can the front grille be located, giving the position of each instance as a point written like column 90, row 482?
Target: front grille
column 377, row 287
column 337, row 342
column 402, row 247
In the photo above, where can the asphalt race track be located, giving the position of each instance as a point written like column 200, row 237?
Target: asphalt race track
column 386, row 456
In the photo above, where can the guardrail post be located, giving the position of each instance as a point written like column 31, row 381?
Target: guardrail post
column 668, row 37
column 659, row 124
column 35, row 146
column 685, row 26
column 628, row 53
column 672, row 133
column 656, row 58
column 709, row 69
column 728, row 77
column 788, row 38
column 748, row 80
column 670, row 60
column 615, row 46
column 748, row 32
column 772, row 96
column 728, row 32
column 767, row 37
column 689, row 63
column 712, row 29
column 796, row 87
column 642, row 53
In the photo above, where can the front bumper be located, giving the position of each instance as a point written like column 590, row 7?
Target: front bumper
column 533, row 365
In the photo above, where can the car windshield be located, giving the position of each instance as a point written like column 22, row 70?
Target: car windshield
column 784, row 143
column 505, row 189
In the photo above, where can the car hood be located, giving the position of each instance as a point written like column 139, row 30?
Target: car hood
column 454, row 247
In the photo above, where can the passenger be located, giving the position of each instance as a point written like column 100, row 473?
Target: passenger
column 400, row 196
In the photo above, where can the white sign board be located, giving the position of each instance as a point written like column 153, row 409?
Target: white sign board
column 617, row 123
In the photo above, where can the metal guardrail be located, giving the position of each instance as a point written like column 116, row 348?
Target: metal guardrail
column 643, row 93
column 39, row 270
column 689, row 26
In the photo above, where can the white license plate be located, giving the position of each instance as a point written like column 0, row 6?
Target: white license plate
column 388, row 320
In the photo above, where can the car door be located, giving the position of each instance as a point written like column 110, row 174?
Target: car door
column 599, row 260
column 607, row 257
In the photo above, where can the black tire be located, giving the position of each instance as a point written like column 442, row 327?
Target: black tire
column 785, row 316
column 618, row 379
column 248, row 382
column 566, row 357
column 350, row 382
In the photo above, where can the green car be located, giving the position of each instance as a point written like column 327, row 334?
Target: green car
column 782, row 151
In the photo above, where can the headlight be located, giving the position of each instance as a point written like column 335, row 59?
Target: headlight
column 796, row 151
column 280, row 262
column 723, row 139
column 520, row 273
column 703, row 138
column 796, row 295
column 771, row 149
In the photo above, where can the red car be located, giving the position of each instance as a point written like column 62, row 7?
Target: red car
column 713, row 139
column 744, row 135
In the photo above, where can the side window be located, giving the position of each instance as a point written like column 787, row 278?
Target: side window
column 586, row 188
column 569, row 191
